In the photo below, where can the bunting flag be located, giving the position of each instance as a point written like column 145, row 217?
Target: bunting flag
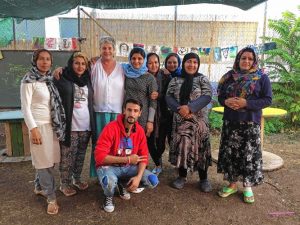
column 68, row 44
column 217, row 54
column 38, row 42
column 233, row 50
column 123, row 49
column 204, row 51
column 74, row 43
column 153, row 48
column 194, row 50
column 138, row 45
column 164, row 51
column 50, row 43
column 225, row 54
column 182, row 51
column 65, row 44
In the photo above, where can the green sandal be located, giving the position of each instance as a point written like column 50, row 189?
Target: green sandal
column 226, row 191
column 248, row 197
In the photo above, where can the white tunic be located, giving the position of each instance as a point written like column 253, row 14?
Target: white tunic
column 35, row 105
column 108, row 89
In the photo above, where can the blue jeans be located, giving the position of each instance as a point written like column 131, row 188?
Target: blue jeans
column 109, row 175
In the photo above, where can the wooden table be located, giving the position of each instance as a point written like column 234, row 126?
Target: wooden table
column 16, row 131
column 270, row 161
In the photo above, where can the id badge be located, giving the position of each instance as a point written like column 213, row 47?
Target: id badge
column 128, row 151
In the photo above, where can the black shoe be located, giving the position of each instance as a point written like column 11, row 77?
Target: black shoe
column 179, row 182
column 108, row 204
column 205, row 186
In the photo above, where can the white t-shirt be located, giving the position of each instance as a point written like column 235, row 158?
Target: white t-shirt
column 108, row 89
column 81, row 115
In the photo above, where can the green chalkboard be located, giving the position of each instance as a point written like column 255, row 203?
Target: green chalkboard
column 13, row 67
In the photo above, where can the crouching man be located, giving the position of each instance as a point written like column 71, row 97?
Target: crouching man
column 122, row 153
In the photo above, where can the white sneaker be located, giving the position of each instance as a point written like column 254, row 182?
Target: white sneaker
column 124, row 194
column 108, row 204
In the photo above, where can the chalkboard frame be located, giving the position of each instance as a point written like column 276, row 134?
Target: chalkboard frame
column 13, row 66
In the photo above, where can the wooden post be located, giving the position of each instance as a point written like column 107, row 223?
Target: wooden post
column 26, row 139
column 8, row 139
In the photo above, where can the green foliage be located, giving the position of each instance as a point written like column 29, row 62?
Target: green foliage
column 215, row 120
column 284, row 64
column 273, row 125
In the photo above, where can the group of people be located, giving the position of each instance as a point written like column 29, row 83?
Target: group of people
column 131, row 110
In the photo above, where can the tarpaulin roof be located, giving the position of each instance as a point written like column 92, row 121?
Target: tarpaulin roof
column 38, row 9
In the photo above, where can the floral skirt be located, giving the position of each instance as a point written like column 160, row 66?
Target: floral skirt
column 240, row 156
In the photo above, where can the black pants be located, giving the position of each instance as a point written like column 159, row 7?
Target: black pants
column 202, row 173
column 157, row 145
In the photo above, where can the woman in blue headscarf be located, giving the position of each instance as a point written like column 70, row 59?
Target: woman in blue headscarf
column 142, row 86
column 173, row 65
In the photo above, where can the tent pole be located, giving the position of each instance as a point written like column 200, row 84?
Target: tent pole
column 14, row 33
column 175, row 25
column 79, row 27
column 265, row 27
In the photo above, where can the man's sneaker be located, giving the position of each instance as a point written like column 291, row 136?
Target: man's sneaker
column 124, row 194
column 179, row 182
column 108, row 204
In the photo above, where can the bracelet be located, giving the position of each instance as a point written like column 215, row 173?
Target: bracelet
column 128, row 160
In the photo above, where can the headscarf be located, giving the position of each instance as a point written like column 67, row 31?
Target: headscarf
column 177, row 72
column 57, row 112
column 187, row 85
column 153, row 54
column 243, row 81
column 129, row 70
column 70, row 75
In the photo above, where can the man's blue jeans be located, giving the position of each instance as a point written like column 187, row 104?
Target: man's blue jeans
column 109, row 175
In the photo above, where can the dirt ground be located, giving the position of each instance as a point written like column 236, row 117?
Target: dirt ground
column 163, row 205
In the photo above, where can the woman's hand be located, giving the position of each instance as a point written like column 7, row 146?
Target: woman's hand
column 36, row 137
column 149, row 128
column 236, row 103
column 154, row 95
column 57, row 73
column 184, row 111
column 166, row 72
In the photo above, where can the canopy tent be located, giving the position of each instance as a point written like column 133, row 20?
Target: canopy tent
column 37, row 9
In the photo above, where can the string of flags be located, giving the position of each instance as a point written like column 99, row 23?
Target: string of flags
column 220, row 54
column 64, row 44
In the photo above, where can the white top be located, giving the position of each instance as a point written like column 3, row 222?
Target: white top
column 35, row 104
column 81, row 118
column 108, row 89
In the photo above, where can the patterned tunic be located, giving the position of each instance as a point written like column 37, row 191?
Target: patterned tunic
column 140, row 89
column 190, row 145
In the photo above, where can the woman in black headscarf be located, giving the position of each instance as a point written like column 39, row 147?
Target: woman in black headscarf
column 187, row 96
column 76, row 92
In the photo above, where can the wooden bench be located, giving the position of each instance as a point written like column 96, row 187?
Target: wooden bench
column 16, row 131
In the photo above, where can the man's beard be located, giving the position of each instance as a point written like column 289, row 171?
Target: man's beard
column 130, row 120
